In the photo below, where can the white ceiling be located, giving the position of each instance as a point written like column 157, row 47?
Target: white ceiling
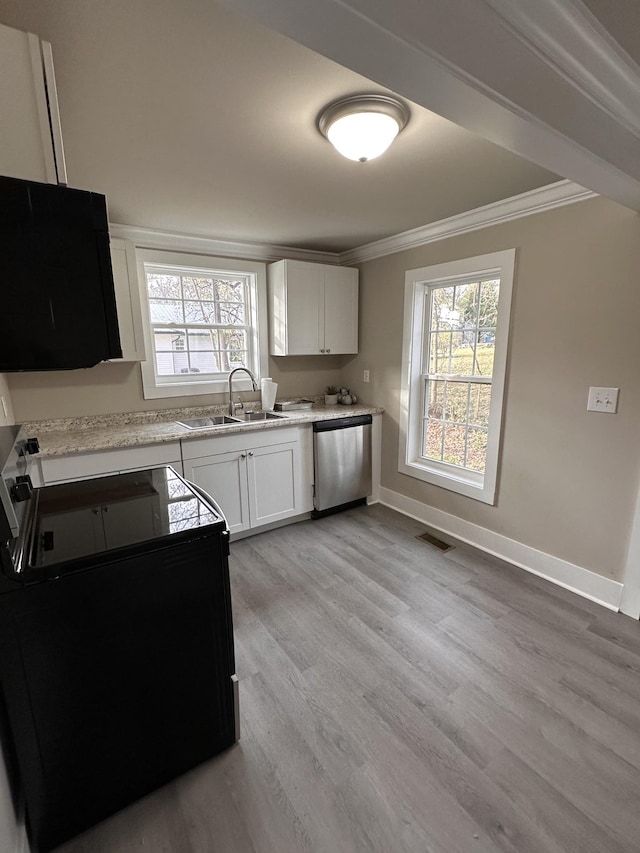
column 196, row 119
column 546, row 80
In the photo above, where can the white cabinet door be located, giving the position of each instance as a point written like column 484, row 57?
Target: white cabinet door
column 257, row 479
column 341, row 310
column 313, row 309
column 27, row 138
column 125, row 279
column 304, row 303
column 274, row 477
column 224, row 477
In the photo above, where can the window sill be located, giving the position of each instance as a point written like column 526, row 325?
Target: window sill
column 151, row 391
column 474, row 486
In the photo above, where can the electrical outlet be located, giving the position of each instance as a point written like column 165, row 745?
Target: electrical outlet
column 603, row 400
column 365, row 376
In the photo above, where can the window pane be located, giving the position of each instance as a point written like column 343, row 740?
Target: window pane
column 439, row 350
column 477, row 449
column 203, row 339
column 201, row 312
column 228, row 290
column 233, row 348
column 454, row 444
column 163, row 286
column 203, row 362
column 433, row 439
column 198, row 288
column 483, row 364
column 442, row 308
column 456, row 401
column 461, row 354
column 166, row 311
column 232, row 314
column 168, row 339
column 479, row 402
column 467, row 304
column 435, row 399
column 233, row 339
column 489, row 293
column 172, row 363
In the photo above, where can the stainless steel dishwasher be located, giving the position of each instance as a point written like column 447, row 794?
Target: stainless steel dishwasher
column 342, row 463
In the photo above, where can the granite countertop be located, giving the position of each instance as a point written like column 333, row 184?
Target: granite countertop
column 111, row 432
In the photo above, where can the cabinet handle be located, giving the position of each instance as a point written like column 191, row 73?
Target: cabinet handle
column 251, row 453
column 243, row 456
column 95, row 511
column 328, row 350
column 321, row 350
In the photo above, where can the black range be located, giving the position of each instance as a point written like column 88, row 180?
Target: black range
column 116, row 643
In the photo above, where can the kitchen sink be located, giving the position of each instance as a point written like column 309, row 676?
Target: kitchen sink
column 207, row 423
column 262, row 416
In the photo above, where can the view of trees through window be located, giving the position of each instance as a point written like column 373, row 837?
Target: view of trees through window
column 458, row 371
column 199, row 322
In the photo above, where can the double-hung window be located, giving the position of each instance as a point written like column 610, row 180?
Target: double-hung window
column 454, row 362
column 204, row 317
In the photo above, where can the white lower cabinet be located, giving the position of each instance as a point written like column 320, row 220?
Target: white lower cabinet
column 257, row 478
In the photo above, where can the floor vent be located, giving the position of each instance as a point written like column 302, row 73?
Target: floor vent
column 432, row 540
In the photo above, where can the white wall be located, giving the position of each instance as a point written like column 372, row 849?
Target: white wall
column 568, row 479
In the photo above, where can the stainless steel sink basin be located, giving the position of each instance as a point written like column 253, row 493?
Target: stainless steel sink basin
column 262, row 416
column 207, row 423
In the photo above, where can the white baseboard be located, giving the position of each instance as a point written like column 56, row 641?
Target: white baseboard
column 588, row 584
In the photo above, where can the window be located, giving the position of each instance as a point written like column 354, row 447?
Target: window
column 454, row 360
column 204, row 317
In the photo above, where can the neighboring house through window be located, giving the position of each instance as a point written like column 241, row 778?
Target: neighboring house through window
column 456, row 326
column 204, row 316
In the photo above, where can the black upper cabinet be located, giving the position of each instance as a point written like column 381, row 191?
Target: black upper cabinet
column 58, row 307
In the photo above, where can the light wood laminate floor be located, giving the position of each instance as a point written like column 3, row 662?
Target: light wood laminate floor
column 395, row 698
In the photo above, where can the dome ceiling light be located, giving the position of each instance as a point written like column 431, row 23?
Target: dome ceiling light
column 362, row 127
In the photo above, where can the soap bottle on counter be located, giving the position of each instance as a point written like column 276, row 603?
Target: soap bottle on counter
column 268, row 390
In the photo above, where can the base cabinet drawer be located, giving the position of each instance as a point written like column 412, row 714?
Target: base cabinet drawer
column 61, row 469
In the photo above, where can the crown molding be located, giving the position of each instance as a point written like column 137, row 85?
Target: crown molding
column 526, row 204
column 149, row 238
column 567, row 36
column 534, row 201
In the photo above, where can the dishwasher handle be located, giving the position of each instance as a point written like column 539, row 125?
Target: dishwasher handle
column 342, row 423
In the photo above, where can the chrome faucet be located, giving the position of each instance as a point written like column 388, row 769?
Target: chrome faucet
column 233, row 406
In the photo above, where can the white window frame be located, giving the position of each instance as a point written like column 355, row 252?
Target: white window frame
column 418, row 284
column 189, row 385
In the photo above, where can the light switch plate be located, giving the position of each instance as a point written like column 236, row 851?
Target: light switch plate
column 365, row 375
column 603, row 400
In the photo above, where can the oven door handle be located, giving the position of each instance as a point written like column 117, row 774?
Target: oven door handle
column 206, row 497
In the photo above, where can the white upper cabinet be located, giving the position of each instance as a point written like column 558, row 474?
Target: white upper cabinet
column 313, row 309
column 31, row 139
column 125, row 280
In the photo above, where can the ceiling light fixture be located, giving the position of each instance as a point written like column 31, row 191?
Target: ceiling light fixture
column 362, row 127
